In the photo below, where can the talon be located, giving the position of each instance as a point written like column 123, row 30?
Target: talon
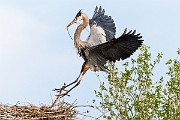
column 56, row 89
column 60, row 89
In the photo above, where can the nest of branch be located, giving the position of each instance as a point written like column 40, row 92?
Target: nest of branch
column 62, row 111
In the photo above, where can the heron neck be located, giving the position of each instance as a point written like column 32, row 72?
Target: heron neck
column 77, row 39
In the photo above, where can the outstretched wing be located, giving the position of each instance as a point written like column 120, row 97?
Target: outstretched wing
column 116, row 49
column 102, row 27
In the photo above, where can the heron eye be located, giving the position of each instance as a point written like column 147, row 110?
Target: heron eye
column 76, row 19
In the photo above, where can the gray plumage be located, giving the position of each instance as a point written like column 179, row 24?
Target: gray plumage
column 101, row 44
column 104, row 21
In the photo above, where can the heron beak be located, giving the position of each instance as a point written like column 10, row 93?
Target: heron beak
column 70, row 24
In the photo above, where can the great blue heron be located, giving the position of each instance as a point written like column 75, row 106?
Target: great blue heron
column 101, row 45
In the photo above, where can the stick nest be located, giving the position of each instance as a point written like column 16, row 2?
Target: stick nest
column 62, row 111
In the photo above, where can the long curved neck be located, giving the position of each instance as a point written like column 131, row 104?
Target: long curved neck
column 77, row 40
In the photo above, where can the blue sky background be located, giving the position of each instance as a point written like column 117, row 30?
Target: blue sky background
column 37, row 55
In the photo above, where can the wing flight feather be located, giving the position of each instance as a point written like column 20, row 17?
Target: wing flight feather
column 104, row 21
column 116, row 49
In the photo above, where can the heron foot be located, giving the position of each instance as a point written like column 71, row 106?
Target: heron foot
column 61, row 89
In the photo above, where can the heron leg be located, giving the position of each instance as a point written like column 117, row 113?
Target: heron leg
column 77, row 81
column 84, row 69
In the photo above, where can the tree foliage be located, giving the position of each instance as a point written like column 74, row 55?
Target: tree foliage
column 134, row 93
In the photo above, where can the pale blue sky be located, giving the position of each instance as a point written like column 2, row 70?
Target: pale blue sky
column 37, row 55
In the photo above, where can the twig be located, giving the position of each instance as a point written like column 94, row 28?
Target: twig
column 57, row 96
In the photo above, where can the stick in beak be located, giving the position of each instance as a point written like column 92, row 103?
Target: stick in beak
column 70, row 24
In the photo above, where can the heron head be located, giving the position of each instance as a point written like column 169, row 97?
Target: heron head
column 77, row 18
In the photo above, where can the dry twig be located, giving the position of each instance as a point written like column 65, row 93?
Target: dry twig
column 62, row 111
